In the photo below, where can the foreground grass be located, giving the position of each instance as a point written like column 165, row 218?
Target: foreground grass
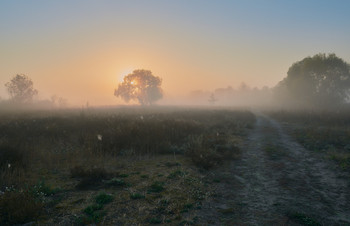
column 323, row 132
column 119, row 168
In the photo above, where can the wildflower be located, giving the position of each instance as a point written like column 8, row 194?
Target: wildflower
column 9, row 165
column 99, row 137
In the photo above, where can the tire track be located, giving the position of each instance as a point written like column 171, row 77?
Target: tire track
column 278, row 182
column 282, row 179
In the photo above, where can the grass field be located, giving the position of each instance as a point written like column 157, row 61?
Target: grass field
column 325, row 132
column 122, row 166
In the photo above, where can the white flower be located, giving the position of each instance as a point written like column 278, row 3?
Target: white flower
column 9, row 165
column 141, row 117
column 99, row 136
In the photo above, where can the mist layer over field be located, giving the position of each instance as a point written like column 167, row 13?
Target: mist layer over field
column 81, row 51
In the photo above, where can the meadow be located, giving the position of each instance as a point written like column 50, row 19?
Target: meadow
column 324, row 132
column 119, row 166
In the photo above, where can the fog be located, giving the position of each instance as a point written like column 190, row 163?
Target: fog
column 319, row 82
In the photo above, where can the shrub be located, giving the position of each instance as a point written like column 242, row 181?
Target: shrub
column 79, row 171
column 43, row 189
column 103, row 198
column 92, row 208
column 209, row 151
column 94, row 214
column 89, row 177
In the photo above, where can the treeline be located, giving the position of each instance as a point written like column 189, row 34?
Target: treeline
column 321, row 82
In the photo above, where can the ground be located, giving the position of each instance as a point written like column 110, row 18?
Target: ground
column 278, row 182
column 183, row 168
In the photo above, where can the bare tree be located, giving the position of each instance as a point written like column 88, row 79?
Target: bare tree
column 142, row 86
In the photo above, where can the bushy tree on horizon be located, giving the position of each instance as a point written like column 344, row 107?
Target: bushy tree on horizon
column 20, row 89
column 140, row 85
column 320, row 81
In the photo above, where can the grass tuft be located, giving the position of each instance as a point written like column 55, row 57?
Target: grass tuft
column 304, row 219
column 157, row 187
column 103, row 198
column 137, row 196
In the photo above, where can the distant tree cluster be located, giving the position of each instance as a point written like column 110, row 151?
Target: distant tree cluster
column 320, row 81
column 22, row 94
column 140, row 85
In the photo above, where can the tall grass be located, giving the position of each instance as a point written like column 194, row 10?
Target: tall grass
column 75, row 145
column 323, row 132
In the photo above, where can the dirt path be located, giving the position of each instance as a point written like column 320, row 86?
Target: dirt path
column 278, row 182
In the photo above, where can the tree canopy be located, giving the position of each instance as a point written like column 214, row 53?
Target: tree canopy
column 140, row 85
column 319, row 81
column 20, row 89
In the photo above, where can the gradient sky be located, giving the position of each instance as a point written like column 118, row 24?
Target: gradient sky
column 81, row 49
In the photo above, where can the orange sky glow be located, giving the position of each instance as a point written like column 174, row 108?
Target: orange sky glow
column 82, row 50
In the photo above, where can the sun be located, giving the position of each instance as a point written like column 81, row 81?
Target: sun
column 125, row 73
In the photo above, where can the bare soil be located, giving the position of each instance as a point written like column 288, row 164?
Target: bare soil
column 278, row 182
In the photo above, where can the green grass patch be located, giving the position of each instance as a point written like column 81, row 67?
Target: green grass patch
column 137, row 196
column 187, row 207
column 42, row 188
column 175, row 174
column 92, row 208
column 103, row 198
column 157, row 186
column 343, row 159
column 303, row 219
column 115, row 182
column 154, row 220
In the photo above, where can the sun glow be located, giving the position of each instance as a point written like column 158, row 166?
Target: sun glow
column 125, row 73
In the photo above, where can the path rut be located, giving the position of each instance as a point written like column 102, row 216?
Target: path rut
column 276, row 182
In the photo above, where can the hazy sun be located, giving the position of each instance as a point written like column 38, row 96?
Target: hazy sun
column 125, row 73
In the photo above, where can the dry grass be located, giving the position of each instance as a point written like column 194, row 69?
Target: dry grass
column 327, row 133
column 148, row 164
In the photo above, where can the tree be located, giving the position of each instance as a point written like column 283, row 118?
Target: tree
column 20, row 89
column 320, row 81
column 140, row 85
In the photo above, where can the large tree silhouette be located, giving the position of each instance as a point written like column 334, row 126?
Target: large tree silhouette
column 319, row 81
column 140, row 85
column 20, row 89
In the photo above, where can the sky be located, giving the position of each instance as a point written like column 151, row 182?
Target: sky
column 80, row 50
